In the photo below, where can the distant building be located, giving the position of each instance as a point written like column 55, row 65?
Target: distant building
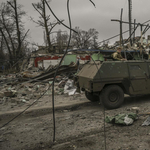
column 55, row 49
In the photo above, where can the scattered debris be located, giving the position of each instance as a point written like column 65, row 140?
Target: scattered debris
column 69, row 88
column 20, row 88
column 62, row 83
column 9, row 94
column 146, row 122
column 122, row 119
column 30, row 74
column 136, row 109
column 1, row 94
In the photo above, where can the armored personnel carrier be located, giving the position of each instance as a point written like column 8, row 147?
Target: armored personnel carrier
column 108, row 81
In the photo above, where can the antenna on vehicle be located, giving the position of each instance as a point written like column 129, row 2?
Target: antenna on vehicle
column 130, row 20
column 121, row 36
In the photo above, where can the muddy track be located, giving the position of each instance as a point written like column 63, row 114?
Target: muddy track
column 77, row 127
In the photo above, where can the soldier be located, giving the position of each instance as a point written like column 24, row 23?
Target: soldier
column 117, row 55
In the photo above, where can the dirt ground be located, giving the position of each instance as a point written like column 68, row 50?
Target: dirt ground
column 79, row 126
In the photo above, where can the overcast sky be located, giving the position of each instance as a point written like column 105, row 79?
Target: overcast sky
column 86, row 16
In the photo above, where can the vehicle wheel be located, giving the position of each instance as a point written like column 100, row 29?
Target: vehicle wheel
column 91, row 97
column 112, row 96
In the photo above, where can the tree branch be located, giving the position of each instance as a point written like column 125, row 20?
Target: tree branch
column 25, row 35
column 10, row 4
column 92, row 3
column 37, row 9
column 6, row 42
column 10, row 37
column 57, row 18
column 52, row 26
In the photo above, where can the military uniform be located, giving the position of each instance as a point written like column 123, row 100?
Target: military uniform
column 117, row 56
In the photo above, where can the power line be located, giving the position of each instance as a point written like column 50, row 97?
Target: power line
column 119, row 34
column 70, row 28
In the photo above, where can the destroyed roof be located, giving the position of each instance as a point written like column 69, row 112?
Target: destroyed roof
column 99, row 50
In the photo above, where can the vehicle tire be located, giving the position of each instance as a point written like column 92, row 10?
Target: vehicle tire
column 91, row 97
column 112, row 96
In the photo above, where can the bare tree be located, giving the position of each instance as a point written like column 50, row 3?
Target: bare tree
column 44, row 21
column 1, row 48
column 6, row 28
column 61, row 40
column 12, row 29
column 85, row 39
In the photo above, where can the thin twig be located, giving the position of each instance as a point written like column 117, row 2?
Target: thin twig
column 92, row 3
column 57, row 18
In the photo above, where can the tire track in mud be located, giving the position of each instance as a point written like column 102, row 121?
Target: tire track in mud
column 31, row 123
column 79, row 126
column 41, row 111
column 83, row 139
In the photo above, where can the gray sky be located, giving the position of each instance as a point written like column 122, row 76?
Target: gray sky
column 86, row 16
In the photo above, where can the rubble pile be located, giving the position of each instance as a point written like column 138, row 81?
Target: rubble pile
column 33, row 75
column 21, row 92
column 31, row 84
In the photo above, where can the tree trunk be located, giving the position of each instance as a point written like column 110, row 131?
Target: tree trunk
column 8, row 35
column 18, row 52
column 10, row 54
column 46, row 27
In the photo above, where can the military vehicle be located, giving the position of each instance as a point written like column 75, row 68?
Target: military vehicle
column 110, row 80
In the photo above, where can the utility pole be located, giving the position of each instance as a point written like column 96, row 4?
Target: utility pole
column 121, row 39
column 130, row 20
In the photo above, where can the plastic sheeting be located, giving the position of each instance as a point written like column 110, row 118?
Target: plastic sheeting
column 146, row 122
column 123, row 119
